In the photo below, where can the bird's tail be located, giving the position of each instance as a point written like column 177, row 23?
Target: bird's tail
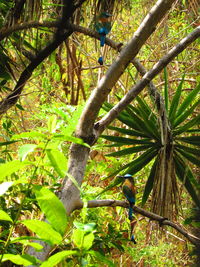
column 133, row 239
column 130, row 213
column 100, row 60
column 102, row 39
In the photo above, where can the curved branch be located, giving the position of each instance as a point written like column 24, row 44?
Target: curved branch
column 162, row 221
column 5, row 32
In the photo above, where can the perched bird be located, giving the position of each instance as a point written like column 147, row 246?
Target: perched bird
column 129, row 191
column 103, row 27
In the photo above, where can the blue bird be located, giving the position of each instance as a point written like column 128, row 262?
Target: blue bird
column 129, row 191
column 103, row 27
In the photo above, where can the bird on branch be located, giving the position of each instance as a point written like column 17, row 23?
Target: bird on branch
column 103, row 27
column 129, row 191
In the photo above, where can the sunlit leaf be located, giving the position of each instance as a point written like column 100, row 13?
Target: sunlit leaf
column 4, row 216
column 52, row 207
column 25, row 150
column 10, row 167
column 43, row 230
column 58, row 161
column 58, row 257
column 23, row 260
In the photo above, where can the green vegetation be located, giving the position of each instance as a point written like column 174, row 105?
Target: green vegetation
column 47, row 74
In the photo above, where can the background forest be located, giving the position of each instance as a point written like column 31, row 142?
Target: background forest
column 70, row 126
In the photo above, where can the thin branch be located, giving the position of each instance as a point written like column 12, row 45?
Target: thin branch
column 162, row 221
column 135, row 90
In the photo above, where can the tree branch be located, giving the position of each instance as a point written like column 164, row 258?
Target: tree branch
column 162, row 221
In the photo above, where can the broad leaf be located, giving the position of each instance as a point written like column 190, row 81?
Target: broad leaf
column 58, row 161
column 10, row 167
column 23, row 260
column 52, row 207
column 25, row 150
column 58, row 257
column 44, row 231
column 4, row 216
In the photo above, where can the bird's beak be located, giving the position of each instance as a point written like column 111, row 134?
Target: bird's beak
column 120, row 176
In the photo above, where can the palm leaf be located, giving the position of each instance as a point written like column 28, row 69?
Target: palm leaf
column 185, row 115
column 166, row 93
column 175, row 101
column 149, row 184
column 188, row 100
column 193, row 140
column 185, row 176
column 127, row 131
column 128, row 151
column 188, row 156
column 142, row 161
column 187, row 126
column 193, row 151
column 127, row 141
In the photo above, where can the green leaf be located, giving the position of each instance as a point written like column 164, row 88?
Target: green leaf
column 70, row 138
column 52, row 207
column 187, row 126
column 189, row 157
column 88, row 241
column 142, row 161
column 44, row 231
column 23, row 260
column 58, row 161
column 188, row 100
column 88, row 227
column 193, row 140
column 52, row 123
column 19, row 107
column 10, row 167
column 175, row 101
column 185, row 176
column 166, row 93
column 101, row 258
column 36, row 135
column 127, row 141
column 4, row 216
column 185, row 115
column 126, row 131
column 82, row 239
column 57, row 258
column 150, row 181
column 78, row 237
column 193, row 151
column 25, row 150
column 8, row 143
column 128, row 151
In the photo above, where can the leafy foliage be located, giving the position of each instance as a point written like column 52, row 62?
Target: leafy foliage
column 142, row 136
